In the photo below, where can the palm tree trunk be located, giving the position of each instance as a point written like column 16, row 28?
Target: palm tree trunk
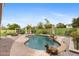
column 0, row 14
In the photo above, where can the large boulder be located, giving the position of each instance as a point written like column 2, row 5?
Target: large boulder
column 51, row 50
column 54, row 37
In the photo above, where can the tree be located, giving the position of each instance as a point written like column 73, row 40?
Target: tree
column 60, row 25
column 33, row 29
column 0, row 14
column 22, row 31
column 40, row 25
column 47, row 24
column 28, row 27
column 13, row 26
column 47, row 21
column 75, row 22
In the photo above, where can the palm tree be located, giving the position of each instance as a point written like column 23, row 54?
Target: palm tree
column 75, row 22
column 0, row 13
column 40, row 25
column 48, row 25
column 29, row 29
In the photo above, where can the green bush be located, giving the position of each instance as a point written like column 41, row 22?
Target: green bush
column 12, row 34
column 60, row 31
column 34, row 30
column 65, row 31
column 68, row 32
column 41, row 31
column 44, row 31
column 3, row 33
column 7, row 32
column 75, row 36
column 22, row 31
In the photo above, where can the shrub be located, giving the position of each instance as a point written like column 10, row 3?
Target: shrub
column 12, row 34
column 44, row 32
column 60, row 31
column 3, row 33
column 34, row 30
column 22, row 31
column 38, row 31
column 75, row 36
column 68, row 32
column 41, row 31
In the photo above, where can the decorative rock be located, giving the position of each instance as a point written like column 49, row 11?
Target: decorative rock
column 51, row 50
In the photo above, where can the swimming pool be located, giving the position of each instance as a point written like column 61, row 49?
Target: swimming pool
column 38, row 42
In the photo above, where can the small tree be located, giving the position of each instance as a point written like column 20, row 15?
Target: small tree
column 40, row 25
column 13, row 26
column 22, row 31
column 75, row 22
column 60, row 25
column 48, row 25
column 29, row 28
column 34, row 29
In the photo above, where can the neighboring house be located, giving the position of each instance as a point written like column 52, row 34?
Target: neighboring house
column 69, row 26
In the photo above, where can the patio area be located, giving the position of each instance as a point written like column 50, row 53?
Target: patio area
column 14, row 46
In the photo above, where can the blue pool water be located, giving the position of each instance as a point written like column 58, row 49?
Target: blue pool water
column 39, row 42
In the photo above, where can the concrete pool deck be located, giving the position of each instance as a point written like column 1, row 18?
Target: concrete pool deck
column 19, row 49
column 6, row 43
column 14, row 46
column 62, row 44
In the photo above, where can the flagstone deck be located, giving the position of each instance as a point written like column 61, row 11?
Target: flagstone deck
column 19, row 49
column 6, row 44
column 14, row 46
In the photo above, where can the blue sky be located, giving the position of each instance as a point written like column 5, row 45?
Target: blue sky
column 30, row 13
